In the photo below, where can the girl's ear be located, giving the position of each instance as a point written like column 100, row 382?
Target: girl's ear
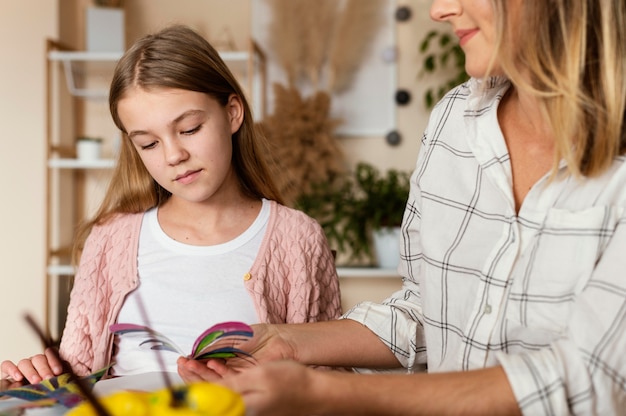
column 235, row 112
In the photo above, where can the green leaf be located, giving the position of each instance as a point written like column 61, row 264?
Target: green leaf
column 429, row 63
column 444, row 59
column 429, row 100
column 449, row 60
column 444, row 40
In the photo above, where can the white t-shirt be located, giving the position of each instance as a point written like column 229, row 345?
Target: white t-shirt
column 185, row 289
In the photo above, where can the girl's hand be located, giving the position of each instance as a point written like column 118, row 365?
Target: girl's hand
column 193, row 370
column 9, row 383
column 34, row 369
column 267, row 344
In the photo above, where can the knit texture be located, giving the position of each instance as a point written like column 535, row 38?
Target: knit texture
column 292, row 280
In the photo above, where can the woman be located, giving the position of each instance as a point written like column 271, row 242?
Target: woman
column 514, row 240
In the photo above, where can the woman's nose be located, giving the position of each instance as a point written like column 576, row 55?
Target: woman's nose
column 443, row 10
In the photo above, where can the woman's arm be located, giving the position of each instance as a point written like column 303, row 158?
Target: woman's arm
column 339, row 343
column 287, row 388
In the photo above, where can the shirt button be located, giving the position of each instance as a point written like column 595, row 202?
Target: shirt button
column 247, row 277
column 487, row 309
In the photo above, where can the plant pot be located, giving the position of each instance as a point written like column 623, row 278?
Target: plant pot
column 88, row 149
column 105, row 29
column 387, row 247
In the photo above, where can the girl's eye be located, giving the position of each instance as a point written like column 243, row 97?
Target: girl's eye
column 192, row 131
column 148, row 146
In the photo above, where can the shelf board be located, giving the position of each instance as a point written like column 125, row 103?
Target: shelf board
column 367, row 273
column 81, row 164
column 61, row 270
column 84, row 56
column 68, row 58
column 234, row 56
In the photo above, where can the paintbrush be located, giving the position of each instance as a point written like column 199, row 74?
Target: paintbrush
column 84, row 388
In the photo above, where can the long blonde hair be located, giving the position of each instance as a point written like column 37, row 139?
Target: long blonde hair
column 175, row 57
column 573, row 57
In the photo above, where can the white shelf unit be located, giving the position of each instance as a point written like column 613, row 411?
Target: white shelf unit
column 76, row 66
column 74, row 80
column 81, row 77
column 61, row 163
column 250, row 65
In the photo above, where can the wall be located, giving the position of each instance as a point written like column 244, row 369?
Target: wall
column 217, row 20
column 24, row 26
column 358, row 289
column 411, row 118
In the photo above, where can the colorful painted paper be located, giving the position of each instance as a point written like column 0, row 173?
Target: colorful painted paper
column 60, row 389
column 219, row 341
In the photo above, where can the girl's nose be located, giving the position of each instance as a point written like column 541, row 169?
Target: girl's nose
column 174, row 152
column 443, row 10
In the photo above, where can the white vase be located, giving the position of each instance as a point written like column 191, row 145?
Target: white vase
column 88, row 149
column 105, row 29
column 387, row 247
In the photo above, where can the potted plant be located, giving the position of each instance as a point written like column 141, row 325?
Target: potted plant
column 104, row 28
column 381, row 209
column 88, row 148
column 355, row 208
column 442, row 55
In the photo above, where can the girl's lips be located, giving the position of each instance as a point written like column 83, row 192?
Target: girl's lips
column 187, row 177
column 465, row 35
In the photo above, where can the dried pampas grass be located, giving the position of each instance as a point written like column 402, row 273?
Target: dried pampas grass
column 285, row 30
column 322, row 43
column 303, row 148
column 316, row 39
column 320, row 25
column 355, row 31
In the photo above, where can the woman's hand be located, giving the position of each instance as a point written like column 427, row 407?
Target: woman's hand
column 34, row 369
column 277, row 388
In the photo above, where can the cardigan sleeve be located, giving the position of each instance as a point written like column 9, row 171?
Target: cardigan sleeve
column 106, row 273
column 77, row 343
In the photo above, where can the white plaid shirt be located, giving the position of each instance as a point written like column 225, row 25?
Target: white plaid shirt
column 541, row 293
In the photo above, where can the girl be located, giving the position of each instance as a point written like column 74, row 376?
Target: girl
column 191, row 231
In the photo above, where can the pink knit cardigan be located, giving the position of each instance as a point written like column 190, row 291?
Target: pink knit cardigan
column 292, row 280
